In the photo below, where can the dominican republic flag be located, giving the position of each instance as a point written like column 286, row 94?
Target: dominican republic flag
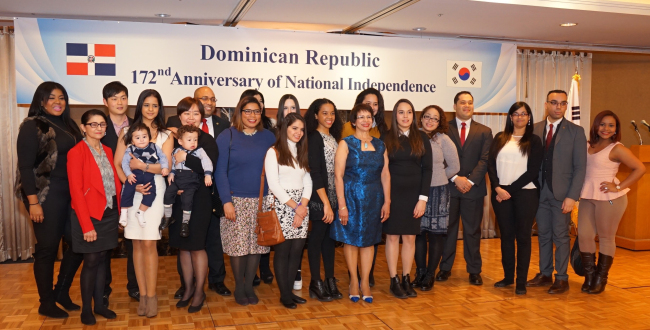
column 90, row 59
column 465, row 74
column 573, row 110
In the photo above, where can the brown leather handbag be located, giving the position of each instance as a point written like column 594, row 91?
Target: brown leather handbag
column 269, row 231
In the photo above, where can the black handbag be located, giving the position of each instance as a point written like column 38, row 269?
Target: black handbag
column 575, row 259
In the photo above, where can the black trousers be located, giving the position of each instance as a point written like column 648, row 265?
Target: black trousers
column 320, row 244
column 471, row 212
column 132, row 282
column 214, row 249
column 56, row 224
column 515, row 218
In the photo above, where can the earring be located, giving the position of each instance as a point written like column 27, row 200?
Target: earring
column 529, row 122
column 104, row 133
column 84, row 133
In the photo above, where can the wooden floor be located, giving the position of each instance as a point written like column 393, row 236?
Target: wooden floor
column 450, row 305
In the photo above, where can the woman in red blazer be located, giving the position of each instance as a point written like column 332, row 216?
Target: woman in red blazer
column 95, row 191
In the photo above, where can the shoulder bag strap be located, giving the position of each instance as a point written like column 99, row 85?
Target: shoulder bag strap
column 259, row 206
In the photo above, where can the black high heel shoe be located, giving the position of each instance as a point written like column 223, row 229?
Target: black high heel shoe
column 194, row 309
column 184, row 303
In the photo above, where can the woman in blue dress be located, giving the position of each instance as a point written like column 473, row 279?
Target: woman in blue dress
column 363, row 192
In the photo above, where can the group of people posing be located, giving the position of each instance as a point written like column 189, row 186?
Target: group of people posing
column 199, row 174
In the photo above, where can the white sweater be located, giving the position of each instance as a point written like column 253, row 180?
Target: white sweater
column 281, row 177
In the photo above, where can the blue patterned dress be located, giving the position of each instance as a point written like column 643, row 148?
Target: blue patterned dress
column 364, row 195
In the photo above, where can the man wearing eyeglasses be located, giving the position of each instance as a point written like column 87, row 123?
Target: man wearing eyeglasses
column 213, row 124
column 561, row 178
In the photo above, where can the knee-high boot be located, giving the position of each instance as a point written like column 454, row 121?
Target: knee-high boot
column 600, row 280
column 589, row 263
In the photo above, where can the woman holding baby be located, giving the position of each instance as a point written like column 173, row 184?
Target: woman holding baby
column 149, row 110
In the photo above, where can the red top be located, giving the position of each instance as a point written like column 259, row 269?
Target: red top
column 86, row 185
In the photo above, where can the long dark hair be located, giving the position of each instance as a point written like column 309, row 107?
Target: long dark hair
column 443, row 126
column 284, row 99
column 42, row 94
column 524, row 142
column 593, row 132
column 266, row 121
column 282, row 146
column 379, row 117
column 158, row 123
column 312, row 123
column 236, row 120
column 415, row 139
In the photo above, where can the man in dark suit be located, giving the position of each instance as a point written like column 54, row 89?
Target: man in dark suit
column 116, row 100
column 561, row 178
column 212, row 124
column 467, row 188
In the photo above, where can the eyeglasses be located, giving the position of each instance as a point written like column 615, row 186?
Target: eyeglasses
column 249, row 112
column 556, row 103
column 94, row 125
column 517, row 115
column 365, row 117
column 206, row 99
column 428, row 118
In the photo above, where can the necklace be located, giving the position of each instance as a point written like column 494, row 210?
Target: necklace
column 65, row 131
column 365, row 142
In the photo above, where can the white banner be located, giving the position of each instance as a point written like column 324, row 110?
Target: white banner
column 175, row 60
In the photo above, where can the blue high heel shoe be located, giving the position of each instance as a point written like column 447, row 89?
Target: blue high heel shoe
column 367, row 299
column 353, row 297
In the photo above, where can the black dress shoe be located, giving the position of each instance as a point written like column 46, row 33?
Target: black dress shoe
column 406, row 285
column 194, row 309
column 330, row 283
column 520, row 288
column 105, row 312
column 443, row 275
column 185, row 229
column 256, row 280
column 427, row 281
column 88, row 318
column 298, row 300
column 540, row 280
column 52, row 310
column 166, row 221
column 136, row 295
column 178, row 295
column 290, row 305
column 504, row 283
column 475, row 279
column 267, row 277
column 220, row 289
column 559, row 286
column 396, row 288
column 318, row 290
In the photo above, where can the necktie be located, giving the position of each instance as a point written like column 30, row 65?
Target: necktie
column 204, row 127
column 462, row 134
column 549, row 136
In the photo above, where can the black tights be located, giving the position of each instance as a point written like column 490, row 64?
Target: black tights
column 436, row 245
column 195, row 270
column 286, row 260
column 244, row 269
column 320, row 244
column 92, row 281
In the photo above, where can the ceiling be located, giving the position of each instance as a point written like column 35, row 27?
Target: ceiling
column 619, row 25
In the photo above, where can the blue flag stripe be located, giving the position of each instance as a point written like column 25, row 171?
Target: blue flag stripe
column 76, row 49
column 104, row 69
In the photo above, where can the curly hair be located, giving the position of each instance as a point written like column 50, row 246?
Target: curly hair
column 443, row 126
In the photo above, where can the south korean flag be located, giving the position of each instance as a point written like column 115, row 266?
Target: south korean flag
column 464, row 74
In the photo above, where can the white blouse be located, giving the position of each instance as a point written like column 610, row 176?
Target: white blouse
column 281, row 177
column 511, row 164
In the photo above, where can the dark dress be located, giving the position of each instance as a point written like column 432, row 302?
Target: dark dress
column 364, row 195
column 410, row 177
column 202, row 204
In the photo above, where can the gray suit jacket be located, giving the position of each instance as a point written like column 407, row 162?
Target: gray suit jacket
column 473, row 157
column 569, row 159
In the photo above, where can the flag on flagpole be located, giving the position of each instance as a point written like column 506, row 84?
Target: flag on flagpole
column 573, row 109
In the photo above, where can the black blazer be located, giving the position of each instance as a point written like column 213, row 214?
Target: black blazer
column 535, row 158
column 473, row 157
column 219, row 124
column 110, row 139
column 317, row 166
